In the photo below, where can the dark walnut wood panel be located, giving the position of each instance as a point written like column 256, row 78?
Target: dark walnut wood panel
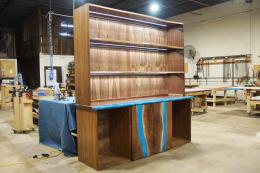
column 175, row 61
column 142, row 131
column 181, row 120
column 87, row 137
column 176, row 37
column 151, row 129
column 176, row 84
column 120, row 131
column 123, row 87
column 109, row 29
column 113, row 126
column 104, row 30
column 106, row 59
column 82, row 62
column 162, row 127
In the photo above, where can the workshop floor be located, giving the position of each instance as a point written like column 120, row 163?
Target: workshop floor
column 224, row 140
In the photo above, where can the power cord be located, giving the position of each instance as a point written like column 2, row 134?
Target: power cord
column 41, row 157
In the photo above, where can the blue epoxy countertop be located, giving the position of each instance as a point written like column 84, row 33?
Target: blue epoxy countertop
column 138, row 102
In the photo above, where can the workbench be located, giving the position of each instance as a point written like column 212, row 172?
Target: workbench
column 199, row 101
column 250, row 101
column 225, row 99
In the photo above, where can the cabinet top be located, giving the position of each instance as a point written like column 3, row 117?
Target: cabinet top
column 126, row 15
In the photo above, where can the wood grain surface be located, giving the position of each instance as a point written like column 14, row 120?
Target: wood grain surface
column 123, row 87
column 82, row 61
column 142, row 131
column 122, row 31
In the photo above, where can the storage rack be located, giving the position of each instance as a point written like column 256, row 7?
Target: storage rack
column 70, row 82
column 129, row 86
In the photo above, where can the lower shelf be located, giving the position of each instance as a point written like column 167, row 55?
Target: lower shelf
column 222, row 99
column 109, row 159
column 177, row 142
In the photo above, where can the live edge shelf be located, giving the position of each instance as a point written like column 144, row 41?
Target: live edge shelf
column 129, row 80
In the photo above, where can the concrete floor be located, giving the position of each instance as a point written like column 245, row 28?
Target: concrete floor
column 224, row 140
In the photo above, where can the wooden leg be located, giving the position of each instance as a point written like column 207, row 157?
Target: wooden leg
column 214, row 93
column 192, row 106
column 225, row 97
column 236, row 96
column 248, row 100
column 205, row 102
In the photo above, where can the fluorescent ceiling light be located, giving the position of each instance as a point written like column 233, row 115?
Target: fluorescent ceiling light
column 154, row 7
column 65, row 34
column 66, row 25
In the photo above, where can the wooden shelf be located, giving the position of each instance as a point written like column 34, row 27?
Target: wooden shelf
column 96, row 10
column 109, row 159
column 121, row 44
column 177, row 142
column 119, row 73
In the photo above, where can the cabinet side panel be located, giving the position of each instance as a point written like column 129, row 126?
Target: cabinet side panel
column 81, row 44
column 176, row 61
column 176, row 36
column 87, row 135
column 176, row 84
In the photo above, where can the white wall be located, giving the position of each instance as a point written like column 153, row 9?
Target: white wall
column 223, row 30
column 58, row 60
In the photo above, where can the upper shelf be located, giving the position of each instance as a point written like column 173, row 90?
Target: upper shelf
column 122, row 44
column 119, row 73
column 96, row 10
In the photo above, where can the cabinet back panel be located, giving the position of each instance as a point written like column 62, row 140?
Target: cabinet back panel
column 107, row 59
column 110, row 29
column 123, row 87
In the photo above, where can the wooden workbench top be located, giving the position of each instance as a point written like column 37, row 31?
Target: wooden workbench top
column 191, row 90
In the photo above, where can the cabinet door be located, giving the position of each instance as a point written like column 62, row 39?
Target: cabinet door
column 151, row 129
column 142, row 131
column 162, row 127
